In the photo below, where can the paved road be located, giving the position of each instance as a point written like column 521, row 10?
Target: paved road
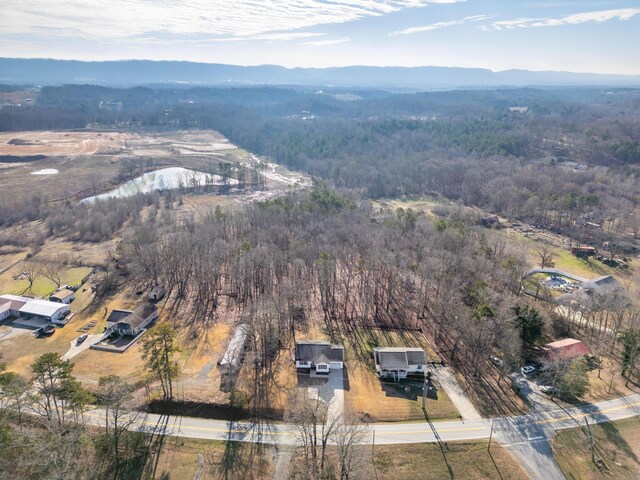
column 393, row 433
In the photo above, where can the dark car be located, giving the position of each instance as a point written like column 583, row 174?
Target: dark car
column 81, row 339
column 48, row 330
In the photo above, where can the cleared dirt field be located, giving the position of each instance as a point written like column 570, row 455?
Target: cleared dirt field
column 91, row 162
column 61, row 143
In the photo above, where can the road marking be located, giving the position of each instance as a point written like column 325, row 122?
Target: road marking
column 535, row 438
column 184, row 428
column 589, row 414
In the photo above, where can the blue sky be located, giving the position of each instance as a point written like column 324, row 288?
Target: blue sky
column 580, row 36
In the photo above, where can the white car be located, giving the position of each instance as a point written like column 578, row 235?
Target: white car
column 496, row 361
column 548, row 389
column 527, row 369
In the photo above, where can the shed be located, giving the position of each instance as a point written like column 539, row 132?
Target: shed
column 157, row 293
column 63, row 296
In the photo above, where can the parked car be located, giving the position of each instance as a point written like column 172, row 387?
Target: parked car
column 81, row 339
column 47, row 330
column 548, row 389
column 496, row 361
column 527, row 369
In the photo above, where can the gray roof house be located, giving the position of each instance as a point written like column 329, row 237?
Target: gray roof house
column 399, row 362
column 132, row 323
column 319, row 355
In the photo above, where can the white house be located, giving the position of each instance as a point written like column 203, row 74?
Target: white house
column 131, row 323
column 63, row 296
column 319, row 355
column 42, row 309
column 5, row 309
column 398, row 363
column 10, row 305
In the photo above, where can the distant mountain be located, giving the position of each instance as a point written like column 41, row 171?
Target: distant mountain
column 146, row 72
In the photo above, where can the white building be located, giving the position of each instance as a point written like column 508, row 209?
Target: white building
column 63, row 296
column 319, row 355
column 232, row 359
column 398, row 363
column 43, row 309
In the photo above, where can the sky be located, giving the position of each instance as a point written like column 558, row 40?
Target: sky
column 579, row 36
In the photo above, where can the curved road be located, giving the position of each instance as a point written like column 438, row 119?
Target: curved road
column 526, row 436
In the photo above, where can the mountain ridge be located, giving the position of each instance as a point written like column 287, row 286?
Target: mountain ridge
column 38, row 71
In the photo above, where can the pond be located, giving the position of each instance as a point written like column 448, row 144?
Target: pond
column 164, row 179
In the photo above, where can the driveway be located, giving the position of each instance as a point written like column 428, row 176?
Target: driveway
column 447, row 380
column 531, row 391
column 75, row 349
column 7, row 332
column 332, row 393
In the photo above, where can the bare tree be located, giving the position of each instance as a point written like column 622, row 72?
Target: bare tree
column 545, row 256
column 314, row 428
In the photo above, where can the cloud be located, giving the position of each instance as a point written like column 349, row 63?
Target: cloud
column 322, row 43
column 574, row 19
column 438, row 25
column 126, row 19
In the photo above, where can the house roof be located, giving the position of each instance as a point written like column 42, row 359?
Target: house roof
column 566, row 349
column 399, row 357
column 5, row 306
column 234, row 351
column 318, row 351
column 42, row 308
column 139, row 315
column 63, row 294
column 117, row 315
column 604, row 283
column 15, row 302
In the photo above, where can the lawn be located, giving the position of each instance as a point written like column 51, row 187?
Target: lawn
column 617, row 445
column 42, row 286
column 178, row 460
column 386, row 401
column 463, row 460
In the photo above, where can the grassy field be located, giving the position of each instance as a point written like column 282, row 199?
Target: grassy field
column 460, row 460
column 617, row 444
column 178, row 460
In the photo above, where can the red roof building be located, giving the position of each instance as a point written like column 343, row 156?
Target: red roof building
column 567, row 349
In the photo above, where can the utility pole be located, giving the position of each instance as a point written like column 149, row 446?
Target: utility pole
column 424, row 395
column 490, row 436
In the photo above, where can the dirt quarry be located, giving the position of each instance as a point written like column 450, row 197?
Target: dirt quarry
column 54, row 144
column 69, row 144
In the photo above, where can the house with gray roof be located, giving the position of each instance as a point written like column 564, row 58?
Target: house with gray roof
column 319, row 355
column 132, row 323
column 399, row 362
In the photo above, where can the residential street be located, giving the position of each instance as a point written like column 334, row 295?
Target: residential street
column 525, row 436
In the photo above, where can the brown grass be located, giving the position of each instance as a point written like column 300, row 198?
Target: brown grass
column 178, row 460
column 617, row 444
column 464, row 460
